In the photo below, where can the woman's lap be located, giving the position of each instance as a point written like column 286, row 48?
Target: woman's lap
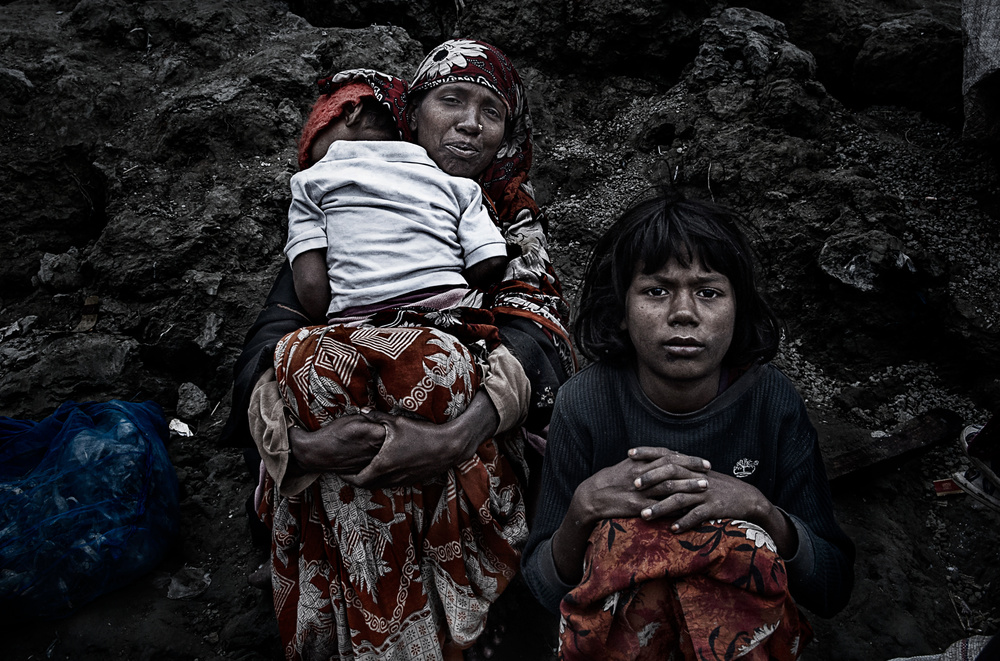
column 385, row 570
column 399, row 571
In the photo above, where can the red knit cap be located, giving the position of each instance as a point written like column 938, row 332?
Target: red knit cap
column 327, row 109
column 349, row 87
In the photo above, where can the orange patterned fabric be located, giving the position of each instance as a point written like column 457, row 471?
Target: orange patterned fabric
column 325, row 372
column 396, row 573
column 716, row 592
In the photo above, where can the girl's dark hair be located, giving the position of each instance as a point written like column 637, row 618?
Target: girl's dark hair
column 651, row 233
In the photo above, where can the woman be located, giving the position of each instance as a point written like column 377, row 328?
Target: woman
column 416, row 587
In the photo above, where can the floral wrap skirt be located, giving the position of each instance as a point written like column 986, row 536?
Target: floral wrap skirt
column 718, row 591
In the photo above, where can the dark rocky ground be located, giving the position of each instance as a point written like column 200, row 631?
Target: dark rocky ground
column 145, row 158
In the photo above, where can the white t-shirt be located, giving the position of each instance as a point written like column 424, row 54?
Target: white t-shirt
column 391, row 220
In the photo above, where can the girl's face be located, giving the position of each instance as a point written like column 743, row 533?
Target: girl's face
column 680, row 320
column 461, row 125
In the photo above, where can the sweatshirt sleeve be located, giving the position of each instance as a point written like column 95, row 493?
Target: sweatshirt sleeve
column 821, row 573
column 508, row 388
column 269, row 423
column 567, row 463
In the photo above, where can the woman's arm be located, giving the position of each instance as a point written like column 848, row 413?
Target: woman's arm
column 416, row 450
column 410, row 451
column 373, row 449
column 293, row 456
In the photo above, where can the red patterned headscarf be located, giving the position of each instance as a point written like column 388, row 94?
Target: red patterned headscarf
column 350, row 87
column 464, row 60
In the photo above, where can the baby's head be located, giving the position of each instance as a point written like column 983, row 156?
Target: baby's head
column 358, row 104
column 666, row 230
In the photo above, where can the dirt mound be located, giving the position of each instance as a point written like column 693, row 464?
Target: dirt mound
column 146, row 159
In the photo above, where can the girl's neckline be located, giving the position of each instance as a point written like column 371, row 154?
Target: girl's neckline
column 733, row 383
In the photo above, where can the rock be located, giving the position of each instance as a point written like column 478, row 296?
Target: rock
column 915, row 60
column 138, row 39
column 61, row 272
column 859, row 261
column 79, row 366
column 53, row 200
column 208, row 338
column 15, row 86
column 18, row 328
column 426, row 20
column 188, row 583
column 747, row 66
column 108, row 20
column 191, row 401
column 756, row 44
column 251, row 631
column 981, row 82
column 835, row 32
column 208, row 283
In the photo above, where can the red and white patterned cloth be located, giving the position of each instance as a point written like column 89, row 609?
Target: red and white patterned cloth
column 393, row 573
column 718, row 591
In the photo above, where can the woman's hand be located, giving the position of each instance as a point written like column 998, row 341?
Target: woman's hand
column 416, row 450
column 346, row 445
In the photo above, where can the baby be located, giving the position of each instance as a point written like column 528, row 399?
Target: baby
column 372, row 217
column 384, row 246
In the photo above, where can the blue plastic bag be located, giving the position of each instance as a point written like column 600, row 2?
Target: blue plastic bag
column 88, row 503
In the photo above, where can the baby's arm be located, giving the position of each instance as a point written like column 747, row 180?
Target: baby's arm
column 483, row 245
column 485, row 273
column 312, row 285
column 307, row 245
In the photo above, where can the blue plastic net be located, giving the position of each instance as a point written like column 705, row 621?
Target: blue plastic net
column 88, row 503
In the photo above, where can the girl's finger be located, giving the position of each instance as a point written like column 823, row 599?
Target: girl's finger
column 695, row 516
column 663, row 455
column 660, row 470
column 658, row 486
column 670, row 506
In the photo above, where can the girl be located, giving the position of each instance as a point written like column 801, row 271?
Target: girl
column 683, row 492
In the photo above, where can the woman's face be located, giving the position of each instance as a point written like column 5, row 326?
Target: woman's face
column 461, row 125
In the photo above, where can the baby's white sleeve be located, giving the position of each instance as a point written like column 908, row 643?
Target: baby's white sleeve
column 306, row 220
column 479, row 237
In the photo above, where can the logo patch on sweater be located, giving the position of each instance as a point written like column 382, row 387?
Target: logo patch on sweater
column 745, row 467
